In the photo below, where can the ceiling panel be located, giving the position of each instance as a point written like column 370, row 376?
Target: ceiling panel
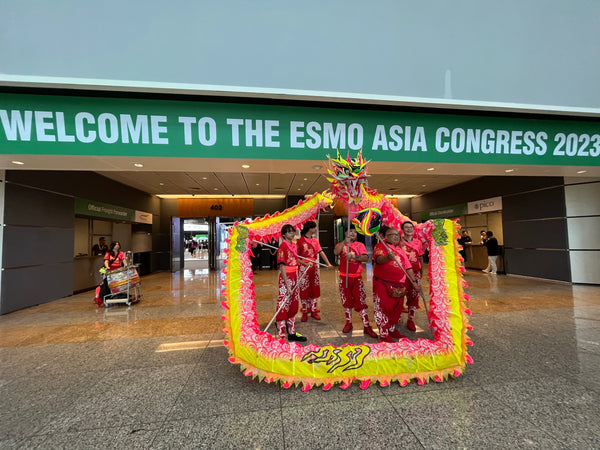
column 186, row 176
column 279, row 183
column 229, row 183
column 236, row 183
column 257, row 182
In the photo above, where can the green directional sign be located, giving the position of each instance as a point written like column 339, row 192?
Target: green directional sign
column 444, row 213
column 70, row 125
column 85, row 207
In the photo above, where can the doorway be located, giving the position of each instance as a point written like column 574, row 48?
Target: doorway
column 203, row 242
column 197, row 243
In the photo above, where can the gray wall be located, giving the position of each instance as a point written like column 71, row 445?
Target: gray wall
column 535, row 233
column 88, row 185
column 37, row 255
column 168, row 210
column 533, row 220
column 38, row 239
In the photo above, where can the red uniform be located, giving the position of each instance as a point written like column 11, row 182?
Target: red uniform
column 287, row 255
column 310, row 287
column 388, row 281
column 353, row 296
column 414, row 250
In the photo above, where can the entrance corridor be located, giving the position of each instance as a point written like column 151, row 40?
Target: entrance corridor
column 156, row 374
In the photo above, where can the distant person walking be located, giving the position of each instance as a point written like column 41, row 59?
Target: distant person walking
column 493, row 250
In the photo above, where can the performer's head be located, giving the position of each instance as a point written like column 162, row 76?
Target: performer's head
column 288, row 232
column 309, row 228
column 489, row 234
column 351, row 233
column 392, row 236
column 382, row 230
column 408, row 228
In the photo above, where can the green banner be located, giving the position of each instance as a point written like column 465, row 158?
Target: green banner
column 445, row 213
column 66, row 125
column 92, row 208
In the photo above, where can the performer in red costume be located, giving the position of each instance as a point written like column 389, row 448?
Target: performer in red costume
column 287, row 261
column 352, row 254
column 388, row 284
column 310, row 288
column 414, row 251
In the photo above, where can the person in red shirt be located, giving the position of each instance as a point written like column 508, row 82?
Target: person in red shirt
column 310, row 287
column 414, row 251
column 352, row 254
column 287, row 261
column 388, row 284
column 113, row 259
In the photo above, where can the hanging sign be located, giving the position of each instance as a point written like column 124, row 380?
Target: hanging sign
column 104, row 126
column 213, row 207
column 92, row 208
column 143, row 217
column 487, row 205
column 445, row 212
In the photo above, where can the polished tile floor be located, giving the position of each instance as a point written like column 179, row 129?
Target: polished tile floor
column 156, row 375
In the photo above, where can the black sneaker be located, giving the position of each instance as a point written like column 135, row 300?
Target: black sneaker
column 297, row 337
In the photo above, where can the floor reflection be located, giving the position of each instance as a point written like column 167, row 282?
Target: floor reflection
column 156, row 374
column 188, row 302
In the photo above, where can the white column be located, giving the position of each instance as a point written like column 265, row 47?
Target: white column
column 582, row 199
column 2, row 184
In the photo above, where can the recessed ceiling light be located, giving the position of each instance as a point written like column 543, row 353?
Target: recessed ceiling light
column 423, row 185
column 509, row 170
column 19, row 163
column 205, row 178
column 138, row 165
column 258, row 184
column 579, row 171
column 299, row 189
column 245, row 166
column 317, row 167
column 395, row 179
column 431, row 168
column 216, row 189
column 306, row 179
column 162, row 184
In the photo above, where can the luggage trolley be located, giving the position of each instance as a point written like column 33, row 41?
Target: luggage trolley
column 124, row 286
